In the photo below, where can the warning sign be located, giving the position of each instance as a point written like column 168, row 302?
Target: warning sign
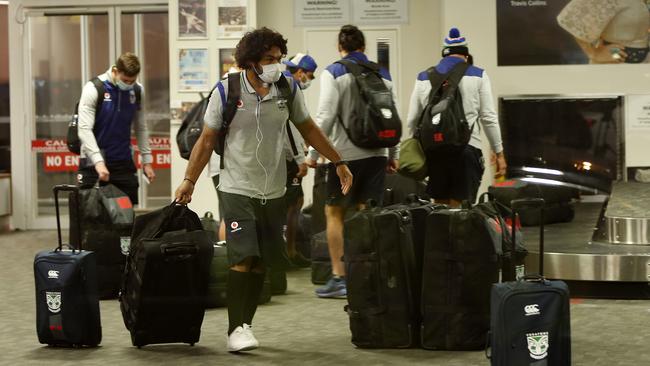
column 57, row 158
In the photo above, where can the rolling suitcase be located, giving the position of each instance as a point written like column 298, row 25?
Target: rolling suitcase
column 67, row 306
column 461, row 262
column 166, row 279
column 380, row 268
column 530, row 318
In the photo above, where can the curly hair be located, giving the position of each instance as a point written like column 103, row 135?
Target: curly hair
column 351, row 38
column 255, row 44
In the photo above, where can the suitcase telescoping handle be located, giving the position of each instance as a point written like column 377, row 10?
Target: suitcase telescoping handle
column 533, row 203
column 66, row 188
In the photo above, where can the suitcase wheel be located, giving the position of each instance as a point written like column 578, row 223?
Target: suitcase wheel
column 192, row 344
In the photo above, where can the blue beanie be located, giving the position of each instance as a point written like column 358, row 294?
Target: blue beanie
column 454, row 43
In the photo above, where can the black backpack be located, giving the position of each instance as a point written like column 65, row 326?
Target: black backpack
column 72, row 137
column 191, row 127
column 373, row 121
column 442, row 124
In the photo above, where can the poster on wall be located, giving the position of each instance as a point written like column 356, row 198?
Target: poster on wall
column 559, row 32
column 380, row 11
column 638, row 112
column 191, row 19
column 321, row 12
column 193, row 69
column 232, row 18
column 227, row 61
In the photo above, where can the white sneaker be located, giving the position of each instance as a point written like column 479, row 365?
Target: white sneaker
column 241, row 340
column 249, row 330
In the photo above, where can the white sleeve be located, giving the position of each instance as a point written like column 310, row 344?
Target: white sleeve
column 87, row 105
column 488, row 115
column 142, row 132
column 328, row 106
column 415, row 106
column 393, row 152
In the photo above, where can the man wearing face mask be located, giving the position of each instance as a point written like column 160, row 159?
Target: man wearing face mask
column 109, row 107
column 301, row 68
column 252, row 181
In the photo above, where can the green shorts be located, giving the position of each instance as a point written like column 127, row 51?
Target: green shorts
column 254, row 229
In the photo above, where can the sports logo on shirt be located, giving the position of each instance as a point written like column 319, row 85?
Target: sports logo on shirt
column 53, row 300
column 132, row 97
column 234, row 227
column 107, row 97
column 240, row 104
column 537, row 345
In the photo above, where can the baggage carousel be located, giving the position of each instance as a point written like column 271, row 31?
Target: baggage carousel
column 605, row 251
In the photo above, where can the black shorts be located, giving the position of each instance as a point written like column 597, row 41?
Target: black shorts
column 294, row 184
column 254, row 229
column 455, row 175
column 121, row 174
column 367, row 183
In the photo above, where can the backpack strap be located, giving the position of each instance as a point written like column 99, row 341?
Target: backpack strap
column 289, row 95
column 453, row 77
column 357, row 68
column 99, row 86
column 229, row 104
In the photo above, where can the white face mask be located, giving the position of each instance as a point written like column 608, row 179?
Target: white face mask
column 304, row 84
column 270, row 73
column 123, row 86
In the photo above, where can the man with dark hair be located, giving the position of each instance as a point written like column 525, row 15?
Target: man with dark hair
column 252, row 182
column 301, row 68
column 369, row 166
column 456, row 176
column 110, row 105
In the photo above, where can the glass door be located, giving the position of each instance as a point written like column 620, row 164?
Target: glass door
column 146, row 35
column 67, row 47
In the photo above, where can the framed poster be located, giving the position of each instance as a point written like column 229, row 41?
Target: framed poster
column 192, row 19
column 226, row 61
column 193, row 69
column 232, row 16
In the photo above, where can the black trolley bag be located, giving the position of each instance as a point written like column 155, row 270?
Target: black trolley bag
column 67, row 306
column 530, row 318
column 166, row 279
column 379, row 264
column 461, row 261
column 321, row 265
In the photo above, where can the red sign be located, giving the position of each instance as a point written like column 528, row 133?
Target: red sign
column 57, row 158
column 60, row 162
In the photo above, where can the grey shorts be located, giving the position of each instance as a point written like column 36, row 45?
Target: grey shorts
column 254, row 229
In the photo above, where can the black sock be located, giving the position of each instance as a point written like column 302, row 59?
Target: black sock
column 238, row 282
column 253, row 293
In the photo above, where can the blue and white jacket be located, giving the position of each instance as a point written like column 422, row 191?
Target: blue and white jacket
column 478, row 103
column 106, row 134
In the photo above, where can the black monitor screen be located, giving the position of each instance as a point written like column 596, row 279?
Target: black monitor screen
column 578, row 137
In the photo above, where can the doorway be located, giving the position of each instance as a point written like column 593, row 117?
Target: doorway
column 68, row 47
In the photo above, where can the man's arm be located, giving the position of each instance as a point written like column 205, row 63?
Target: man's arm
column 87, row 105
column 488, row 118
column 199, row 158
column 142, row 132
column 328, row 106
column 315, row 137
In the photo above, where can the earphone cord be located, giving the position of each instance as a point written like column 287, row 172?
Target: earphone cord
column 260, row 137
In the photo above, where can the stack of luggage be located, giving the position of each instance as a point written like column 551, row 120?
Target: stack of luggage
column 420, row 274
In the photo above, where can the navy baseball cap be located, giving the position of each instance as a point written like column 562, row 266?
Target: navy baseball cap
column 302, row 61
